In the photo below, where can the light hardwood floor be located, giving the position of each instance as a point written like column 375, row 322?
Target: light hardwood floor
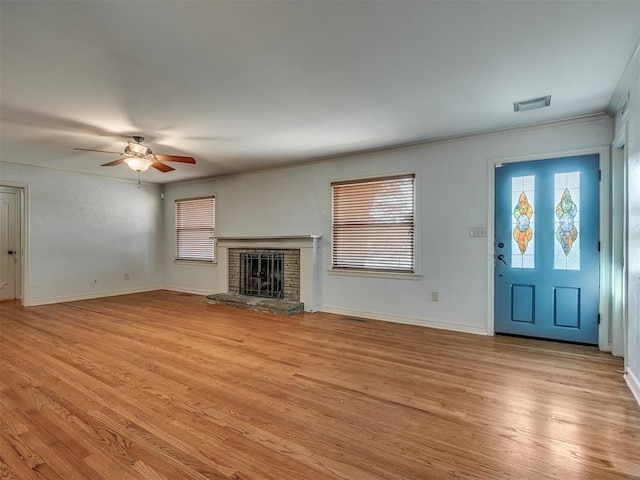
column 162, row 386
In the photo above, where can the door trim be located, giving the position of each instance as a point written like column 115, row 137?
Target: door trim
column 605, row 222
column 619, row 252
column 23, row 216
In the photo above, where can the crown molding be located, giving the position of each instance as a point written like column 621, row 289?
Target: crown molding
column 629, row 74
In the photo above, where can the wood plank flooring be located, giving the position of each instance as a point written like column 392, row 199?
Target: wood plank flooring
column 161, row 385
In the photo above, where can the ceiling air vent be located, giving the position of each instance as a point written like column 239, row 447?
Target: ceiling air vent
column 532, row 104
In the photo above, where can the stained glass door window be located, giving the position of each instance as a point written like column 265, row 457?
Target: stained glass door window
column 567, row 221
column 523, row 246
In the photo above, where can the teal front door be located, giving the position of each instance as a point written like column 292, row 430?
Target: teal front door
column 547, row 249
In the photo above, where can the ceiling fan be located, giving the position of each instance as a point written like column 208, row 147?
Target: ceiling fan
column 139, row 157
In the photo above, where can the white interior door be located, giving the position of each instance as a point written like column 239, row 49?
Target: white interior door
column 9, row 244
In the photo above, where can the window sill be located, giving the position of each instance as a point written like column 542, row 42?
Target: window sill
column 372, row 274
column 205, row 263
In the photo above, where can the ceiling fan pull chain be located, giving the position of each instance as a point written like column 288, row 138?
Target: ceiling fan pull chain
column 138, row 178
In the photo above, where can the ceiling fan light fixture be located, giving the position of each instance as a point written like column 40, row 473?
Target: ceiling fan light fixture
column 138, row 164
column 137, row 148
column 140, row 158
column 532, row 104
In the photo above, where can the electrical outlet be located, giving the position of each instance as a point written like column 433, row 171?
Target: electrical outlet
column 126, row 276
column 434, row 296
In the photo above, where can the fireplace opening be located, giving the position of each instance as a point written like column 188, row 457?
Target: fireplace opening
column 261, row 274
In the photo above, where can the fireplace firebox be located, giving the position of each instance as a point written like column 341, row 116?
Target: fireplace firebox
column 261, row 274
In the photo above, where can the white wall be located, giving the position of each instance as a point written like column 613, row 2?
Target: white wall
column 453, row 195
column 86, row 228
column 632, row 125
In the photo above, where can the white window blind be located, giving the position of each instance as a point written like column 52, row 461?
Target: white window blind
column 195, row 228
column 374, row 224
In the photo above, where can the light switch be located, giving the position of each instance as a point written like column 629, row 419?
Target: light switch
column 478, row 232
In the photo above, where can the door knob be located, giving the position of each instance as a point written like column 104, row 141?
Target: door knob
column 501, row 258
column 11, row 252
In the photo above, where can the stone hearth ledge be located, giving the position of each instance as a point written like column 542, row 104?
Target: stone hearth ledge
column 258, row 304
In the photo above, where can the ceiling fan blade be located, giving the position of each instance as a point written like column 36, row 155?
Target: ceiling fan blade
column 100, row 151
column 114, row 163
column 162, row 167
column 175, row 158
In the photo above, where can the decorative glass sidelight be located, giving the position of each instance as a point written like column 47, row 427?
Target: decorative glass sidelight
column 523, row 222
column 567, row 221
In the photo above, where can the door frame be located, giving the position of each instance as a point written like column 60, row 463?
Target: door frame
column 23, row 247
column 620, row 250
column 604, row 343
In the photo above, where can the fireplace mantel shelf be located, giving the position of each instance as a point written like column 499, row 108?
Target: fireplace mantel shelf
column 279, row 237
column 282, row 241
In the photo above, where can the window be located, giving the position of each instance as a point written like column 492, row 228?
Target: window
column 567, row 222
column 195, row 228
column 374, row 224
column 523, row 222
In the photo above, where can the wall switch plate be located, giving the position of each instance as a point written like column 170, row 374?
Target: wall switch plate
column 434, row 296
column 478, row 232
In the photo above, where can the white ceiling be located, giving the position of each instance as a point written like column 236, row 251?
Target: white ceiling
column 245, row 85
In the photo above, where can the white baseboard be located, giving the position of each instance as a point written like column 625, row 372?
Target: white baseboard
column 423, row 322
column 193, row 291
column 634, row 384
column 88, row 296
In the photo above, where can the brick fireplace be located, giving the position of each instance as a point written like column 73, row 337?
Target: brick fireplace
column 301, row 265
